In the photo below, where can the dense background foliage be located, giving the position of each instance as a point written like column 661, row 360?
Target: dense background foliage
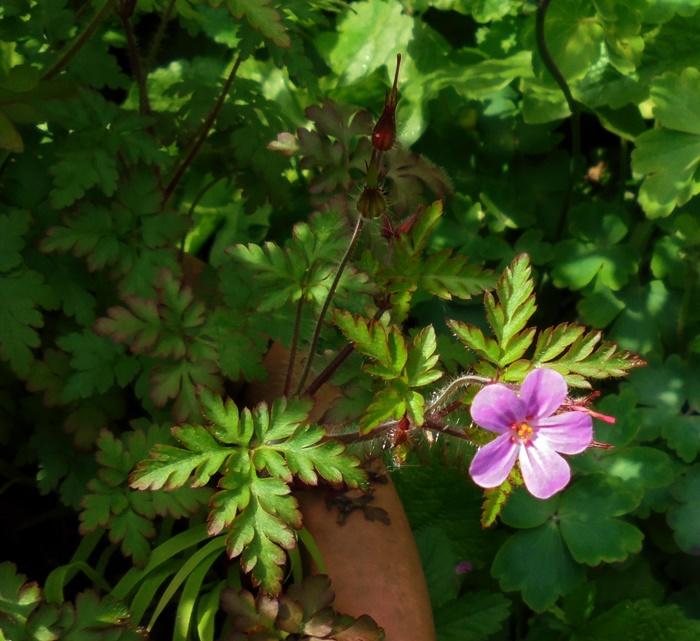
column 149, row 149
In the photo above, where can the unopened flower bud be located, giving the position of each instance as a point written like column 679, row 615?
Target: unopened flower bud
column 384, row 132
column 371, row 203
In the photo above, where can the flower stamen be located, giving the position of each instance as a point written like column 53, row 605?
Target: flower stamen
column 522, row 432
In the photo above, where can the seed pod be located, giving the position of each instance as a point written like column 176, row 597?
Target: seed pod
column 371, row 203
column 384, row 132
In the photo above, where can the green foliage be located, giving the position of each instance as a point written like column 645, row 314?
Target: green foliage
column 166, row 250
column 568, row 348
column 24, row 616
column 404, row 366
column 304, row 611
column 128, row 514
column 256, row 453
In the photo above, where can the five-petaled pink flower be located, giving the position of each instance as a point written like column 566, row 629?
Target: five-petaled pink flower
column 530, row 431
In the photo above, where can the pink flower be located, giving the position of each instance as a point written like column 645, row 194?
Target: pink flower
column 529, row 431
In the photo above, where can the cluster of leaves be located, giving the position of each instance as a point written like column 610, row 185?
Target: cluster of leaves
column 304, row 611
column 156, row 238
column 256, row 453
column 26, row 615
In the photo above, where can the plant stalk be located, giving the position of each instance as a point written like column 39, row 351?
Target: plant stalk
column 326, row 303
column 79, row 41
column 201, row 135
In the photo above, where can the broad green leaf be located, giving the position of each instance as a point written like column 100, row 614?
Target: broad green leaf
column 589, row 525
column 684, row 518
column 667, row 158
column 471, row 617
column 643, row 620
column 574, row 36
column 537, row 562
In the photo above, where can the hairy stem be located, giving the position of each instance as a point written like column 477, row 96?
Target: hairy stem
column 295, row 344
column 80, row 40
column 158, row 36
column 455, row 386
column 326, row 303
column 573, row 104
column 201, row 135
column 136, row 67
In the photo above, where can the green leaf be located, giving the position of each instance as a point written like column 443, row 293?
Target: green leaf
column 388, row 403
column 574, row 36
column 472, row 617
column 684, row 518
column 371, row 338
column 18, row 600
column 263, row 17
column 667, row 158
column 9, row 136
column 515, row 303
column 422, row 359
column 537, row 563
column 587, row 519
column 256, row 453
column 474, row 339
column 22, row 292
column 128, row 515
column 97, row 365
column 13, row 227
column 587, row 355
column 642, row 620
column 446, row 275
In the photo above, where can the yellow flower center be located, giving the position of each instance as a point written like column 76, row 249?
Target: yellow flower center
column 522, row 432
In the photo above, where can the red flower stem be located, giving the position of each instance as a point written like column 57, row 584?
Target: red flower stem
column 295, row 344
column 80, row 40
column 327, row 302
column 201, row 135
column 339, row 359
column 136, row 67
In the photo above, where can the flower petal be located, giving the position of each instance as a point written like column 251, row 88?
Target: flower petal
column 568, row 433
column 544, row 471
column 543, row 391
column 496, row 407
column 494, row 461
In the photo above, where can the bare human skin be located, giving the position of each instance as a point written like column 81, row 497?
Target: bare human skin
column 374, row 567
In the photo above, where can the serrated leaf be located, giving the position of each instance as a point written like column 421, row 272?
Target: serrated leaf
column 13, row 227
column 448, row 275
column 263, row 17
column 22, row 292
column 385, row 346
column 422, row 359
column 256, row 453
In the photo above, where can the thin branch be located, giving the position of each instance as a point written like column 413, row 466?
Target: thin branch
column 574, row 105
column 295, row 344
column 158, row 36
column 202, row 134
column 339, row 359
column 190, row 212
column 136, row 67
column 326, row 303
column 80, row 40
